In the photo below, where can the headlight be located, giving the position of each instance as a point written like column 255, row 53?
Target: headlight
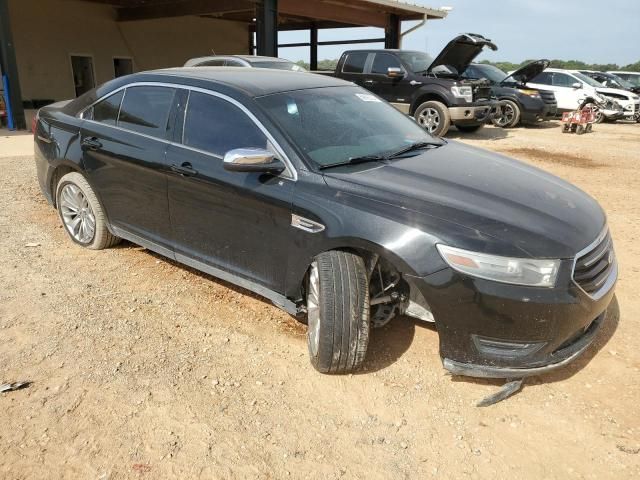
column 463, row 92
column 518, row 271
column 530, row 93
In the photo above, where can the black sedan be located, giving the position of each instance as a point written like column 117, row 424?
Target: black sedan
column 321, row 197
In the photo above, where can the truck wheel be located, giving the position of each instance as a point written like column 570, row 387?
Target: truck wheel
column 338, row 312
column 434, row 117
column 510, row 115
column 469, row 128
column 81, row 213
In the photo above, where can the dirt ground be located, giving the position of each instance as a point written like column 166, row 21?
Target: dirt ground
column 142, row 368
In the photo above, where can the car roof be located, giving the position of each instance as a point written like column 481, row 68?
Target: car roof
column 252, row 82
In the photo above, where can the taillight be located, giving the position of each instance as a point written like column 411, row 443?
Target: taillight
column 34, row 122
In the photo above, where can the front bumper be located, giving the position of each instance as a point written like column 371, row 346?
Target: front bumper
column 537, row 111
column 495, row 330
column 475, row 113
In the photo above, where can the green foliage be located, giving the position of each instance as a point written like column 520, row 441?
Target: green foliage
column 322, row 64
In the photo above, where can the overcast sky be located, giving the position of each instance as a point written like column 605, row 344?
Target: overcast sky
column 590, row 30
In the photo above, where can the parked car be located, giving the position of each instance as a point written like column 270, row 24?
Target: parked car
column 431, row 90
column 573, row 89
column 321, row 197
column 521, row 104
column 612, row 81
column 249, row 61
column 631, row 77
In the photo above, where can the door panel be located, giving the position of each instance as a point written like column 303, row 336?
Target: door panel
column 238, row 222
column 395, row 90
column 128, row 172
column 127, row 166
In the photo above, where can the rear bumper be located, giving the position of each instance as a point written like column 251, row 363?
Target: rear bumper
column 490, row 329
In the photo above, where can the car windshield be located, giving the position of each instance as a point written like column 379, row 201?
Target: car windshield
column 621, row 82
column 338, row 124
column 631, row 78
column 279, row 66
column 416, row 61
column 588, row 80
column 491, row 73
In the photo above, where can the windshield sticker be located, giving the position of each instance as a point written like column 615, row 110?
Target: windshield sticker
column 365, row 97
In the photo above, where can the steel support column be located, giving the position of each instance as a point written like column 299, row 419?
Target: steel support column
column 267, row 28
column 392, row 32
column 10, row 65
column 313, row 48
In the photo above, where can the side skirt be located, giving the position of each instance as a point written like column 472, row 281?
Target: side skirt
column 277, row 299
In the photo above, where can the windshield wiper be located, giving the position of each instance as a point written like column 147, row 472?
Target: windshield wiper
column 355, row 161
column 414, row 147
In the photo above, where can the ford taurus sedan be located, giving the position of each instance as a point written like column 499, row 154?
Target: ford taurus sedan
column 321, row 197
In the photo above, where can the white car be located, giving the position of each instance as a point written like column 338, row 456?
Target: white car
column 573, row 89
column 632, row 77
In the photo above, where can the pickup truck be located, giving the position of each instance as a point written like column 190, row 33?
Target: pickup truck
column 433, row 91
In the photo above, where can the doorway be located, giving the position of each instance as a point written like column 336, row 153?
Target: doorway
column 122, row 66
column 83, row 74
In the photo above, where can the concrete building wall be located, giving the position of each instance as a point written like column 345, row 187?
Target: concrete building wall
column 47, row 32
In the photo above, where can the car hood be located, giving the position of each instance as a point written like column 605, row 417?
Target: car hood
column 514, row 203
column 616, row 91
column 527, row 72
column 461, row 51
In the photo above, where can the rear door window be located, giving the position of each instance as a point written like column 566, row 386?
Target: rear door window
column 563, row 80
column 383, row 62
column 355, row 62
column 217, row 126
column 146, row 110
column 105, row 111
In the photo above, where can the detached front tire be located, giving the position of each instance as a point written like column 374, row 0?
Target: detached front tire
column 338, row 312
column 82, row 214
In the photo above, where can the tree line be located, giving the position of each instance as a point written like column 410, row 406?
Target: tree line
column 329, row 64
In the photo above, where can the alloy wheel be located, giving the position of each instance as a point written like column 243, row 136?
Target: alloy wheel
column 507, row 116
column 313, row 308
column 77, row 215
column 429, row 119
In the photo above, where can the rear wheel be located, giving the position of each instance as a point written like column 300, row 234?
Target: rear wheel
column 510, row 115
column 434, row 117
column 337, row 312
column 81, row 213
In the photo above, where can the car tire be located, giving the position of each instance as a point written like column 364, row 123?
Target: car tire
column 599, row 115
column 469, row 128
column 511, row 115
column 82, row 214
column 338, row 312
column 434, row 117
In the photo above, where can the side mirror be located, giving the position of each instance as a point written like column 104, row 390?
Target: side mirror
column 576, row 85
column 256, row 160
column 395, row 72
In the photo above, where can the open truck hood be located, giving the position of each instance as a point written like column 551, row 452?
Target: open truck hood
column 461, row 51
column 528, row 72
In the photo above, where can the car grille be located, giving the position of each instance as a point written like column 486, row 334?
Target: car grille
column 481, row 92
column 548, row 97
column 593, row 268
